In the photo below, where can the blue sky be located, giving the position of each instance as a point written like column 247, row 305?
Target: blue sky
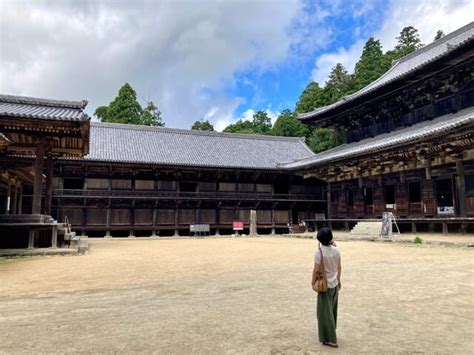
column 211, row 59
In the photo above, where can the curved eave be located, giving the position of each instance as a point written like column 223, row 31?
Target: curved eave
column 382, row 82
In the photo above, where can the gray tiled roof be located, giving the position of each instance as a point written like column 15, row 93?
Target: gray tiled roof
column 409, row 135
column 165, row 146
column 29, row 107
column 406, row 65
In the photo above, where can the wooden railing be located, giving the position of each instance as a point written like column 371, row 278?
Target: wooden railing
column 153, row 194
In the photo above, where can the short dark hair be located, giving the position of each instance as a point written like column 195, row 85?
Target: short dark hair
column 324, row 236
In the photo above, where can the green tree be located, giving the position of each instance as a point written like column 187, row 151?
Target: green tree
column 439, row 34
column 287, row 125
column 408, row 41
column 240, row 126
column 339, row 84
column 126, row 109
column 312, row 97
column 323, row 139
column 202, row 125
column 101, row 113
column 151, row 116
column 262, row 124
column 370, row 65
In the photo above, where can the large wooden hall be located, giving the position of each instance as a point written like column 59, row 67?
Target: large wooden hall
column 409, row 150
column 410, row 142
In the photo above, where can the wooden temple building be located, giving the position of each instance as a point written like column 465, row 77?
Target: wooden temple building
column 409, row 150
column 126, row 180
column 410, row 142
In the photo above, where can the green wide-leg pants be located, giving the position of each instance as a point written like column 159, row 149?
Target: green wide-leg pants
column 327, row 315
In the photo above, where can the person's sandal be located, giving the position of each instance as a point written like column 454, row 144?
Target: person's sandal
column 332, row 345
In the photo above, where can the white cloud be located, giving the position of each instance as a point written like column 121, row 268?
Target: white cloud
column 180, row 54
column 223, row 119
column 425, row 15
column 347, row 57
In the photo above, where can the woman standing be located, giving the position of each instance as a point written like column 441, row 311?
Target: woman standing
column 327, row 301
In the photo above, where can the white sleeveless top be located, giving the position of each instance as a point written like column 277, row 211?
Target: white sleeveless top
column 331, row 262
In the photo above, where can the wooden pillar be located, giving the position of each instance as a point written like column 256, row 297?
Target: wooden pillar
column 155, row 213
column 54, row 237
column 8, row 201
column 273, row 221
column 108, row 221
column 14, row 202
column 19, row 205
column 445, row 228
column 38, row 181
column 253, row 223
column 461, row 189
column 49, row 185
column 413, row 227
column 328, row 200
column 31, row 238
column 176, row 221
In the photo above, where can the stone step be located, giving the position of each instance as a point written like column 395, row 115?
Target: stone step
column 367, row 228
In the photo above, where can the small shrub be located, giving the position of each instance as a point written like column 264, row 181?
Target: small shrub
column 418, row 240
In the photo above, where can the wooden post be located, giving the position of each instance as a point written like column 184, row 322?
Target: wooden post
column 8, row 202
column 445, row 228
column 54, row 237
column 38, row 181
column 14, row 202
column 176, row 222
column 328, row 200
column 413, row 227
column 31, row 239
column 108, row 221
column 19, row 206
column 273, row 221
column 253, row 223
column 49, row 185
column 155, row 213
column 461, row 189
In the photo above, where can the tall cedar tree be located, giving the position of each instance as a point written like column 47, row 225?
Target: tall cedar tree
column 202, row 125
column 339, row 84
column 408, row 41
column 370, row 65
column 287, row 125
column 126, row 109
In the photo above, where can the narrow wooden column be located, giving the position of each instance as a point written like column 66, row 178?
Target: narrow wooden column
column 328, row 199
column 38, row 181
column 19, row 206
column 273, row 221
column 8, row 200
column 461, row 189
column 14, row 201
column 49, row 185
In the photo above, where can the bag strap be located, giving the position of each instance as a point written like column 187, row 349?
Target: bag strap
column 322, row 259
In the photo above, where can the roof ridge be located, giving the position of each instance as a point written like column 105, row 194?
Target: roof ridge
column 195, row 132
column 42, row 102
column 436, row 43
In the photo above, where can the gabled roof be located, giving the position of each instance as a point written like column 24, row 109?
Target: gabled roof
column 44, row 109
column 165, row 146
column 405, row 66
column 421, row 131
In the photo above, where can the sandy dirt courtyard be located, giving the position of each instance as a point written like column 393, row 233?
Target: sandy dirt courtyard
column 229, row 295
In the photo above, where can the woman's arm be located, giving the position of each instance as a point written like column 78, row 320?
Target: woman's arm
column 339, row 271
column 315, row 273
